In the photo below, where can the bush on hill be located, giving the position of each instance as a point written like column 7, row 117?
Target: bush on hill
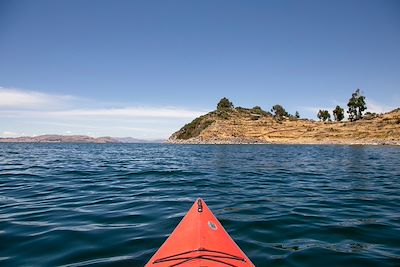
column 195, row 127
column 258, row 110
column 338, row 113
column 224, row 103
column 279, row 112
column 324, row 115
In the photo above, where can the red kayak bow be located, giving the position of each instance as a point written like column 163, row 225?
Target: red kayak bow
column 199, row 240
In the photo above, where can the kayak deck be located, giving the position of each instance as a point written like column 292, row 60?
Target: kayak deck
column 199, row 240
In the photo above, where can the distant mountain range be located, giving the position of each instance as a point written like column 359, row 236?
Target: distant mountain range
column 54, row 138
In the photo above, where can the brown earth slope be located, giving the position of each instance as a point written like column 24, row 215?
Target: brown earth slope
column 240, row 125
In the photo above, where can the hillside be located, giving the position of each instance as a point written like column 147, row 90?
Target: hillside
column 239, row 125
column 53, row 138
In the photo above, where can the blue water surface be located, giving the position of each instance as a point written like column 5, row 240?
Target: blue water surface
column 115, row 204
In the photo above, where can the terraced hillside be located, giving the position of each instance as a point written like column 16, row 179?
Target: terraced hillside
column 239, row 125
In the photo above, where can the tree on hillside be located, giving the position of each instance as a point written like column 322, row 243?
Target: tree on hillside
column 356, row 105
column 279, row 111
column 338, row 113
column 224, row 103
column 324, row 115
column 297, row 115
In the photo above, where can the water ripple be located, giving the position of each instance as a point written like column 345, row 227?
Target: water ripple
column 113, row 205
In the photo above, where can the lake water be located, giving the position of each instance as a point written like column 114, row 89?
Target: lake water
column 115, row 204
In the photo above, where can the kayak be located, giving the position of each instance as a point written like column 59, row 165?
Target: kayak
column 199, row 240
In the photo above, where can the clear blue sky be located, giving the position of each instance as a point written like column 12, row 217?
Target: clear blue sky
column 144, row 68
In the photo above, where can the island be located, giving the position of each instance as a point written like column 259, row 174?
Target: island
column 230, row 125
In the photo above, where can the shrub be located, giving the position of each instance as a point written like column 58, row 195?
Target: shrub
column 194, row 128
column 260, row 111
column 324, row 115
column 279, row 111
column 224, row 103
column 338, row 113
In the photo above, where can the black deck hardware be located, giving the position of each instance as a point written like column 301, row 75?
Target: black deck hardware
column 199, row 206
column 212, row 255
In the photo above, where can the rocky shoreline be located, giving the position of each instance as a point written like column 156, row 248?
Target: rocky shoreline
column 195, row 141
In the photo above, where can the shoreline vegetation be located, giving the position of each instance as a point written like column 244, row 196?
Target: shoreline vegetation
column 236, row 125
